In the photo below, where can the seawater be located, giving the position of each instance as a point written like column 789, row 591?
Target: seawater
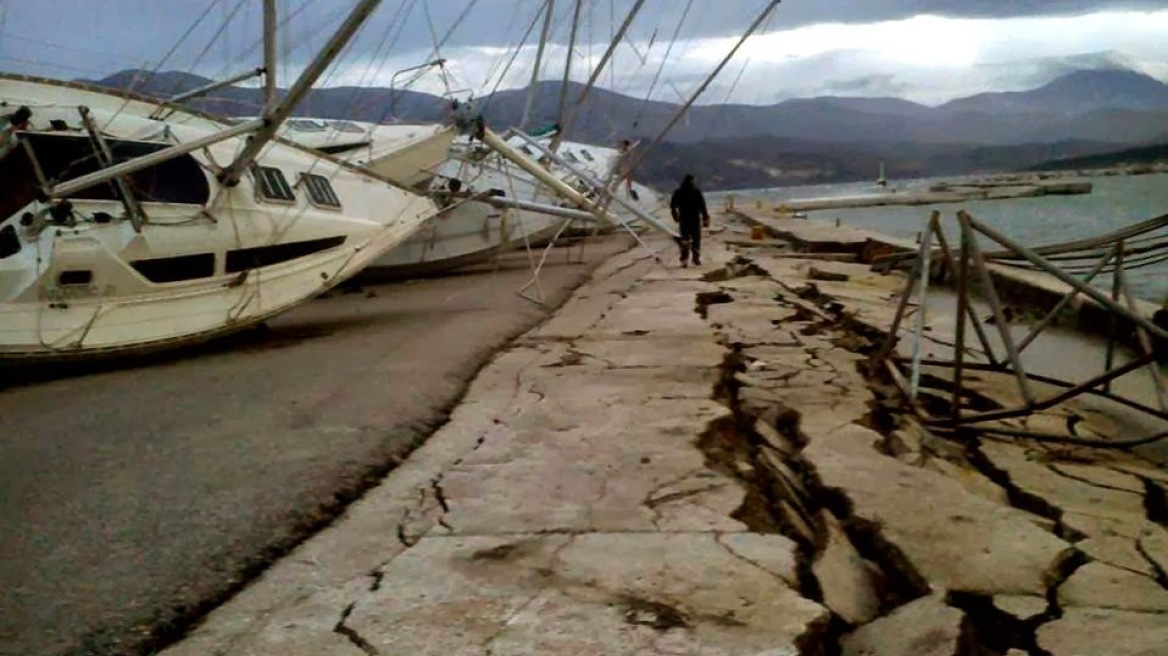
column 1115, row 202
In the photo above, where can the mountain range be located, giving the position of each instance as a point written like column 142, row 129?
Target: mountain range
column 801, row 141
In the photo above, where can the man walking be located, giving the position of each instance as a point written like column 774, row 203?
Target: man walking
column 689, row 212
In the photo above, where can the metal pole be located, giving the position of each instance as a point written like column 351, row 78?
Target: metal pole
column 1145, row 343
column 208, row 88
column 1072, row 390
column 503, row 148
column 1113, row 326
column 567, row 73
column 1063, row 302
column 549, row 7
column 70, row 187
column 620, row 35
column 951, row 264
column 644, row 216
column 701, row 89
column 923, row 295
column 962, row 314
column 1036, row 260
column 901, row 307
column 276, row 115
column 269, row 55
column 1070, row 393
column 129, row 202
column 991, row 297
column 541, row 208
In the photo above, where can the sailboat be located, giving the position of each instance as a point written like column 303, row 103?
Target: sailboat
column 123, row 234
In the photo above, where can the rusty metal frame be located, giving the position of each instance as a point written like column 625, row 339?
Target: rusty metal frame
column 970, row 267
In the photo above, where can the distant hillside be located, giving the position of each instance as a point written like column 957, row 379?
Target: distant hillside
column 1079, row 92
column 1145, row 155
column 804, row 141
column 1116, row 106
column 358, row 103
column 764, row 161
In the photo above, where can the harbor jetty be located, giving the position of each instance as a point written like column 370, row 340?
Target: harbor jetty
column 1005, row 188
column 685, row 461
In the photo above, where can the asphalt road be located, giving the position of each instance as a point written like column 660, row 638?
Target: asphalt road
column 134, row 499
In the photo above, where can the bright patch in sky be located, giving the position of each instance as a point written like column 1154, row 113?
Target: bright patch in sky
column 925, row 58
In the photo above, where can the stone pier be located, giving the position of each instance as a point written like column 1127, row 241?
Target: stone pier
column 695, row 461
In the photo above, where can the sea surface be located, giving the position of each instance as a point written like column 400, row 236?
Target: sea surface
column 1115, row 202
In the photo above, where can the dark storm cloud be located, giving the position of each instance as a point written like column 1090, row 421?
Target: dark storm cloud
column 73, row 38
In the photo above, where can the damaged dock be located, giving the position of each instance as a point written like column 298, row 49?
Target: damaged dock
column 697, row 461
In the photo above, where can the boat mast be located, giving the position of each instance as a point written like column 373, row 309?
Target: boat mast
column 620, row 35
column 269, row 54
column 264, row 127
column 758, row 21
column 276, row 114
column 567, row 69
column 549, row 7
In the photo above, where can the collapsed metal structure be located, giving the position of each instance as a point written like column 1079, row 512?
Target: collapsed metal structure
column 970, row 270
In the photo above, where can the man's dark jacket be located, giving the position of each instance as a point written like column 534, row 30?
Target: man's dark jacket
column 688, row 205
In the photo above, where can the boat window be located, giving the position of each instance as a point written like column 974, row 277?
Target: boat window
column 347, row 126
column 305, row 125
column 75, row 277
column 64, row 157
column 242, row 259
column 587, row 155
column 271, row 184
column 176, row 269
column 571, row 157
column 527, row 151
column 9, row 242
column 320, row 190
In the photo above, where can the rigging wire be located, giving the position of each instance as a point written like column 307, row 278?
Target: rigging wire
column 664, row 60
column 514, row 54
column 596, row 72
column 764, row 16
column 568, row 60
column 498, row 59
column 165, row 58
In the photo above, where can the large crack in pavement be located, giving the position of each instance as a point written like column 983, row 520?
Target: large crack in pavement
column 761, row 447
column 783, row 491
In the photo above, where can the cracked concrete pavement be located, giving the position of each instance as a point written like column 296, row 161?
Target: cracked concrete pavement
column 689, row 461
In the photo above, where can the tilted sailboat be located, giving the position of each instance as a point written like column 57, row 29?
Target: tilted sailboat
column 120, row 234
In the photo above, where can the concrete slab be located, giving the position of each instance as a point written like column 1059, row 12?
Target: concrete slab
column 925, row 627
column 845, row 578
column 563, row 594
column 1117, row 551
column 955, row 540
column 1088, row 508
column 1102, row 631
column 1099, row 585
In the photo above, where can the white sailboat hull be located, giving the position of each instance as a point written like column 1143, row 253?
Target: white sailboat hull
column 78, row 327
column 198, row 269
column 472, row 233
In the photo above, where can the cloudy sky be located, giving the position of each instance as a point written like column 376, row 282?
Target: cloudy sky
column 925, row 50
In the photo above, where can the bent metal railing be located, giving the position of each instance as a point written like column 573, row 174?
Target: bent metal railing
column 969, row 267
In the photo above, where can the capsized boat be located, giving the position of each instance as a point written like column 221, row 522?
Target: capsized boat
column 472, row 186
column 407, row 153
column 119, row 233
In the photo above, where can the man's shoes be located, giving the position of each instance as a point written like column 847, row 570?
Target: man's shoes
column 697, row 261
